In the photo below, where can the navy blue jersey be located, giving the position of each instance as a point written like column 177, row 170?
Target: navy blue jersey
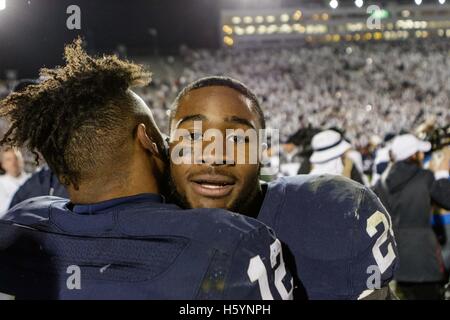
column 336, row 230
column 137, row 248
column 42, row 183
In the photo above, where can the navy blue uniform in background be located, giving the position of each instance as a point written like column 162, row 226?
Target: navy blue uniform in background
column 42, row 183
column 337, row 232
column 137, row 248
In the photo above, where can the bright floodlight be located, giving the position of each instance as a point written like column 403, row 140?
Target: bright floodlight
column 334, row 4
column 442, row 1
column 418, row 2
column 2, row 4
column 359, row 3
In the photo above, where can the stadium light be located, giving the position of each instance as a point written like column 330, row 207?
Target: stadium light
column 270, row 19
column 334, row 4
column 262, row 29
column 228, row 41
column 418, row 2
column 359, row 3
column 236, row 20
column 284, row 17
column 297, row 15
column 248, row 19
column 239, row 31
column 442, row 1
column 406, row 13
column 259, row 19
column 2, row 5
column 227, row 29
column 250, row 29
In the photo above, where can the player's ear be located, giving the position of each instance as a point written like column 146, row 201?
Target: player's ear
column 145, row 140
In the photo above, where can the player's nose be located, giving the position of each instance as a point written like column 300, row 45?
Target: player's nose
column 216, row 156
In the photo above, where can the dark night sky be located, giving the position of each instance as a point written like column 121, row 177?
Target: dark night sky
column 33, row 32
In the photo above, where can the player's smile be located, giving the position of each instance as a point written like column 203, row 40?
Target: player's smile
column 212, row 185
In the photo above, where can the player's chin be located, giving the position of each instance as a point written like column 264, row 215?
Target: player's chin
column 200, row 201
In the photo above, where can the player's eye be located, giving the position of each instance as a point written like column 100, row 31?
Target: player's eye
column 238, row 138
column 195, row 136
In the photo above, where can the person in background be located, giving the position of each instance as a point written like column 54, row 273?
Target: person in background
column 292, row 157
column 41, row 183
column 382, row 159
column 356, row 163
column 14, row 177
column 329, row 156
column 408, row 191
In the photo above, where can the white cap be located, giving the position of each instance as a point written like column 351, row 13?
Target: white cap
column 328, row 145
column 406, row 145
column 375, row 140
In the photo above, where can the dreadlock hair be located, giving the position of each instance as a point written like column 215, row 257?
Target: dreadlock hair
column 80, row 117
column 222, row 82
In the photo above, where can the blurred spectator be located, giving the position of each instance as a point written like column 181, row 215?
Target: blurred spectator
column 290, row 159
column 441, row 217
column 14, row 177
column 330, row 156
column 382, row 159
column 42, row 183
column 407, row 190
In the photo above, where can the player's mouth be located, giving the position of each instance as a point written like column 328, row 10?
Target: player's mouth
column 212, row 186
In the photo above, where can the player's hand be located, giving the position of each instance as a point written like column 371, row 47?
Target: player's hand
column 441, row 160
column 446, row 161
column 348, row 165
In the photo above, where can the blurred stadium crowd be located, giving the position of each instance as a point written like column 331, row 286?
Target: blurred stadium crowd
column 367, row 89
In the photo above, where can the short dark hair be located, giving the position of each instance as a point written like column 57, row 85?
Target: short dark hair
column 79, row 117
column 221, row 81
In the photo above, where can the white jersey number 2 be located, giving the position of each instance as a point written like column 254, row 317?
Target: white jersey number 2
column 375, row 219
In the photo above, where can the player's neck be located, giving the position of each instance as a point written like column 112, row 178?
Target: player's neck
column 94, row 193
column 254, row 206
